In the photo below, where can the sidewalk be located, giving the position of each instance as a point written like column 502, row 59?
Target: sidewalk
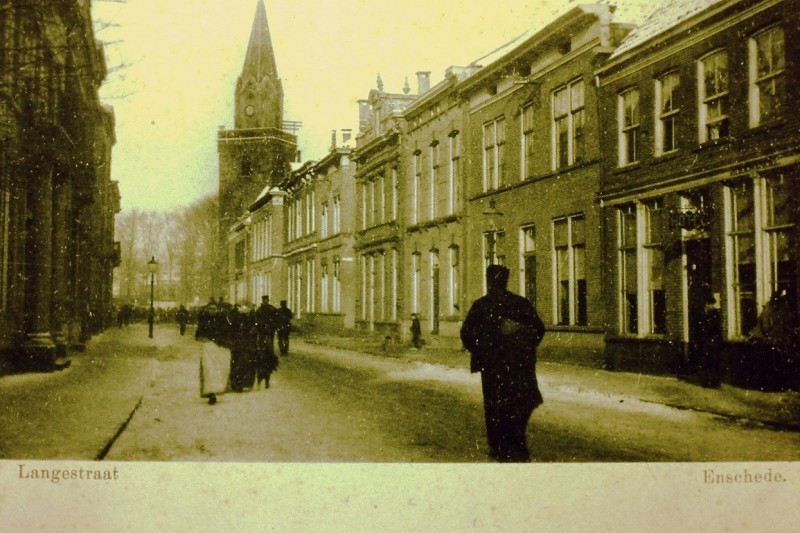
column 776, row 410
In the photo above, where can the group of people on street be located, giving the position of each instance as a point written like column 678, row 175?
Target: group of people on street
column 249, row 336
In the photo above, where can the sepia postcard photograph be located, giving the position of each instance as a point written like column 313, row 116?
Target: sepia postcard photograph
column 511, row 265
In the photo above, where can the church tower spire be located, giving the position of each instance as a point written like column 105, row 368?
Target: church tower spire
column 259, row 91
column 254, row 157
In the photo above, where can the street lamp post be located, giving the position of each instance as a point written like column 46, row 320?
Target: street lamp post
column 152, row 265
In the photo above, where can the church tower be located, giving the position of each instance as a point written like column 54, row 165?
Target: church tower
column 255, row 154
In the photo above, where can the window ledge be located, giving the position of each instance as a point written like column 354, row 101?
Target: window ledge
column 667, row 156
column 627, row 168
column 722, row 141
column 766, row 126
column 574, row 328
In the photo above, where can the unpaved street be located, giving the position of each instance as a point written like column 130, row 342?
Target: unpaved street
column 328, row 405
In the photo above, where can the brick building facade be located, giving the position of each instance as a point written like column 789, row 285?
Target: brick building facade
column 700, row 183
column 620, row 159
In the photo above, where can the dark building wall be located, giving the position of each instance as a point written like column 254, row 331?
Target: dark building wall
column 746, row 155
column 57, row 252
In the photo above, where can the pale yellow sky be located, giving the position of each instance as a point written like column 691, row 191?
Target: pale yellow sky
column 183, row 58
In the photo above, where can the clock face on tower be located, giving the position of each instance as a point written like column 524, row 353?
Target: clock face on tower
column 249, row 110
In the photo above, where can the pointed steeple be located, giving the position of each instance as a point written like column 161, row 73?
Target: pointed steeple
column 260, row 59
column 259, row 92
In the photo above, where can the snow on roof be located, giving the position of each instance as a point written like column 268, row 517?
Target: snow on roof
column 668, row 14
column 626, row 12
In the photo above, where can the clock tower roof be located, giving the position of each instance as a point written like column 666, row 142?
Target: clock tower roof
column 259, row 91
column 259, row 62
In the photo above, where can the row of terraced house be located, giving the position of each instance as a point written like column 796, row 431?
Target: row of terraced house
column 625, row 166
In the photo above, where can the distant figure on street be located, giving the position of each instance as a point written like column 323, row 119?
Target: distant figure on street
column 284, row 327
column 416, row 332
column 266, row 362
column 183, row 317
column 501, row 332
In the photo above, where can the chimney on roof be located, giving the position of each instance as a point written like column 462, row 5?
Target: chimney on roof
column 423, row 81
column 347, row 134
column 333, row 139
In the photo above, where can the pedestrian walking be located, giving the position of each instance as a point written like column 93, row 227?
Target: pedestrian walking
column 242, row 343
column 284, row 327
column 183, row 318
column 501, row 332
column 215, row 355
column 266, row 318
column 416, row 332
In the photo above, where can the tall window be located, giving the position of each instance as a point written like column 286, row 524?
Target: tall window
column 528, row 262
column 667, row 113
column 324, row 220
column 642, row 264
column 654, row 245
column 363, row 190
column 435, row 153
column 527, row 145
column 628, row 127
column 494, row 139
column 337, row 214
column 372, row 203
column 454, row 173
column 382, row 198
column 433, row 290
column 760, row 256
column 395, row 184
column 337, row 285
column 569, row 244
column 777, row 227
column 395, row 274
column 568, row 125
column 323, row 287
column 629, row 296
column 742, row 255
column 713, row 83
column 492, row 248
column 415, row 187
column 382, row 285
column 416, row 260
column 452, row 282
column 364, row 293
column 310, row 285
column 767, row 76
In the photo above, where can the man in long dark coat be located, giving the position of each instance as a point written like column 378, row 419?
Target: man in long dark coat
column 501, row 332
column 284, row 327
column 266, row 318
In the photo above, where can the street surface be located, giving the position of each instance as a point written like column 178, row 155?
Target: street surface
column 130, row 398
column 327, row 405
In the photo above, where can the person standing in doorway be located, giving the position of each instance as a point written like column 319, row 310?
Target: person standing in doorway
column 501, row 332
column 416, row 332
column 284, row 327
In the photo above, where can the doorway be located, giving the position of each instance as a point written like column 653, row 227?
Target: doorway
column 698, row 274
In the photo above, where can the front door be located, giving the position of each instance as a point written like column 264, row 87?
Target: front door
column 698, row 266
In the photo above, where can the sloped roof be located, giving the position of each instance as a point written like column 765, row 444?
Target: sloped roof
column 625, row 12
column 259, row 61
column 667, row 14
